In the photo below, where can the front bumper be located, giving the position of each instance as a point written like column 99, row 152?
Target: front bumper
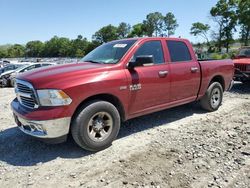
column 231, row 85
column 241, row 75
column 49, row 129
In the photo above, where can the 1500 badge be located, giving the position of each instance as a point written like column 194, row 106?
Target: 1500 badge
column 135, row 87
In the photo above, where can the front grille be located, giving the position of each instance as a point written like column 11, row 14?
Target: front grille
column 26, row 94
column 241, row 67
column 23, row 88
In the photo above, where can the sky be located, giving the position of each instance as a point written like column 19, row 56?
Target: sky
column 25, row 20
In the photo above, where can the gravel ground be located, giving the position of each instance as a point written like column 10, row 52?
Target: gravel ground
column 179, row 147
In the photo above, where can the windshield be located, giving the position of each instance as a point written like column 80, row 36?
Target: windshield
column 109, row 53
column 21, row 67
column 245, row 52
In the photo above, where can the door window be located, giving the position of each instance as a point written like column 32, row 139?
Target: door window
column 151, row 48
column 179, row 51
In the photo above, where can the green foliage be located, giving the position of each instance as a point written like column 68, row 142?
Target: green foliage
column 138, row 30
column 106, row 34
column 200, row 29
column 78, row 46
column 219, row 56
column 243, row 13
column 16, row 50
column 170, row 24
column 123, row 30
column 153, row 24
column 34, row 49
column 57, row 47
column 224, row 13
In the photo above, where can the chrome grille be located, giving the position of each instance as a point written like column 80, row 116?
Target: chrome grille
column 23, row 88
column 26, row 94
column 241, row 67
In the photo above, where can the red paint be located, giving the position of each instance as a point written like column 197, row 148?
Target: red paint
column 83, row 80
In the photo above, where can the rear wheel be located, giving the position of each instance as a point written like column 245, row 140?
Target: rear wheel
column 212, row 100
column 96, row 125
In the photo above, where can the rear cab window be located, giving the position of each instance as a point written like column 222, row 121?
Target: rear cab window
column 178, row 51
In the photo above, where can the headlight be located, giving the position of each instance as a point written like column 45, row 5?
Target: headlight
column 52, row 97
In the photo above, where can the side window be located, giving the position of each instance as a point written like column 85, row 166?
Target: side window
column 28, row 68
column 179, row 51
column 153, row 48
column 45, row 64
column 37, row 65
column 9, row 68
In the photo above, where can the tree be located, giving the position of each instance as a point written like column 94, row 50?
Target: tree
column 57, row 47
column 138, row 30
column 170, row 24
column 16, row 50
column 123, row 30
column 243, row 13
column 153, row 24
column 91, row 46
column 3, row 53
column 78, row 46
column 200, row 29
column 106, row 34
column 34, row 49
column 225, row 14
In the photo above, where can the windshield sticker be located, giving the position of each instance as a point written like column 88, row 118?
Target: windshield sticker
column 119, row 45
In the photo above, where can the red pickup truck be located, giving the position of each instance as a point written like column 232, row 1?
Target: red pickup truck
column 242, row 65
column 115, row 82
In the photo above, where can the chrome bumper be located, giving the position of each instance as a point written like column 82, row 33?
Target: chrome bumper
column 48, row 129
column 231, row 85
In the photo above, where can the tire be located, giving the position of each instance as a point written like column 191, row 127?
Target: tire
column 96, row 125
column 212, row 99
column 6, row 83
column 12, row 82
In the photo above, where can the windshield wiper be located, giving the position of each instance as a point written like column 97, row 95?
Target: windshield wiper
column 97, row 62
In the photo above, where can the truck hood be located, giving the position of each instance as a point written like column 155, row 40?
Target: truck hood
column 62, row 76
column 242, row 61
column 7, row 72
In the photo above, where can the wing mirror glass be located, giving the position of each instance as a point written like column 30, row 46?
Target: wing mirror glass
column 140, row 61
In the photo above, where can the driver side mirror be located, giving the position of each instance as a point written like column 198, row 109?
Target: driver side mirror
column 140, row 61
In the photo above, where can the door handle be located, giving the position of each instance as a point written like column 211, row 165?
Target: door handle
column 163, row 73
column 194, row 69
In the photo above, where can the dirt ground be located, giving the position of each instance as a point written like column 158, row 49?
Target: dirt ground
column 180, row 147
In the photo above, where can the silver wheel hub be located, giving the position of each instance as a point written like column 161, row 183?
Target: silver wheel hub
column 215, row 97
column 100, row 126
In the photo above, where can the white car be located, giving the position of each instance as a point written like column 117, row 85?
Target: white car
column 8, row 78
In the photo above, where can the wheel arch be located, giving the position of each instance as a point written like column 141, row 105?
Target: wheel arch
column 104, row 97
column 219, row 79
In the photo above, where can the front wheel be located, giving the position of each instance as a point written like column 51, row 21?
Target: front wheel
column 212, row 99
column 96, row 125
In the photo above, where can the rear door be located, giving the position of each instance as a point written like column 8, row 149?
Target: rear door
column 149, row 85
column 185, row 71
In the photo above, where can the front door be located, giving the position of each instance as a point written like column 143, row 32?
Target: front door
column 149, row 85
